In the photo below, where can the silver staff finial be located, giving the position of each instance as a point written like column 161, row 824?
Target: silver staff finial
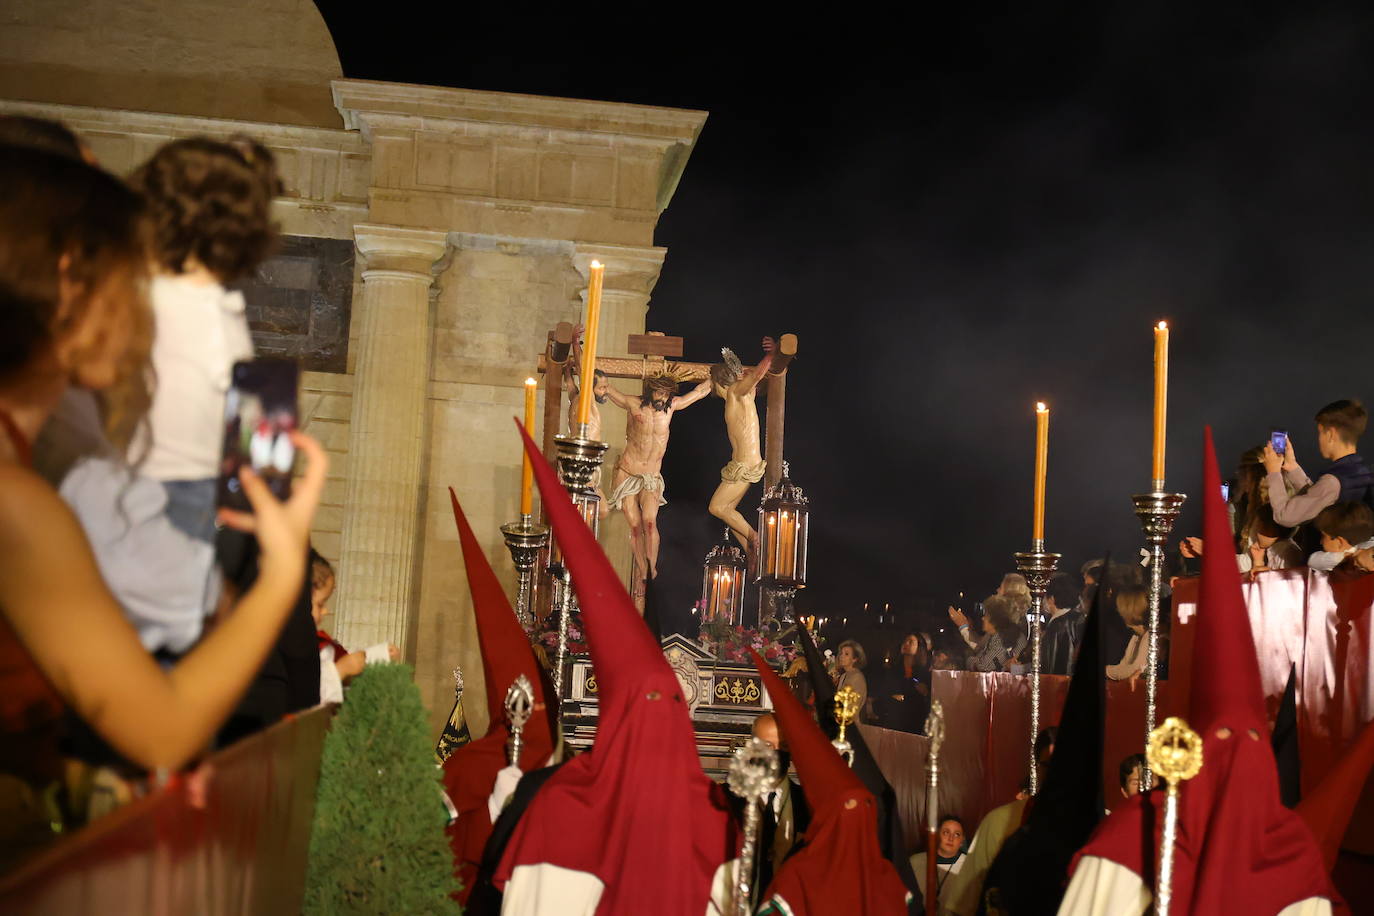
column 754, row 772
column 519, row 705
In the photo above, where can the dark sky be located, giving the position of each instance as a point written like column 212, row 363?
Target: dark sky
column 960, row 213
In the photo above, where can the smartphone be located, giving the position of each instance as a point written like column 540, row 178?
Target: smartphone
column 1279, row 439
column 260, row 413
column 1226, row 492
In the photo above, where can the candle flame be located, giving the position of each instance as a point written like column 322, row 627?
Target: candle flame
column 596, row 265
column 1162, row 325
column 531, row 382
column 1040, row 407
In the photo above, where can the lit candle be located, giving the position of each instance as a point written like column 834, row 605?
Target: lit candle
column 769, row 563
column 526, row 470
column 785, row 541
column 1042, row 456
column 1161, row 399
column 584, row 396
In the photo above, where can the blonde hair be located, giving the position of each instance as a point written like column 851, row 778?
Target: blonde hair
column 860, row 657
column 1130, row 604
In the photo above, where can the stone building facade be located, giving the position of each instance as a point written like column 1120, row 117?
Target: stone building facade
column 433, row 236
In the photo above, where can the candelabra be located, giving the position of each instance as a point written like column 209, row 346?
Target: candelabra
column 1157, row 512
column 525, row 539
column 579, row 464
column 1038, row 567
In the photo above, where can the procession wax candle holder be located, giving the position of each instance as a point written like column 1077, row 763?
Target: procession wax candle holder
column 722, row 583
column 1157, row 512
column 1038, row 567
column 525, row 539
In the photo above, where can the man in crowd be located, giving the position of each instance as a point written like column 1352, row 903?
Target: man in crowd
column 1064, row 632
column 785, row 812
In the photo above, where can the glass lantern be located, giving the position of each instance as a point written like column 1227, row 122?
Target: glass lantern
column 783, row 524
column 722, row 583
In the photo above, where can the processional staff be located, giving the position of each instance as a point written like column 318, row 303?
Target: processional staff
column 935, row 731
column 754, row 772
column 1175, row 754
column 846, row 710
column 519, row 704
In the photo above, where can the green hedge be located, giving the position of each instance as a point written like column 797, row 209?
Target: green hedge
column 378, row 843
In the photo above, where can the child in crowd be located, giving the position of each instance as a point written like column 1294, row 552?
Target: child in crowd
column 1348, row 479
column 1347, row 531
column 337, row 665
column 210, row 209
column 1271, row 545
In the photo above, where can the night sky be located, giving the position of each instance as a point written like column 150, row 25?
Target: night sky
column 959, row 214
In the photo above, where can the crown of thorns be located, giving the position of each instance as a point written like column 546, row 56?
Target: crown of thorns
column 669, row 377
column 732, row 362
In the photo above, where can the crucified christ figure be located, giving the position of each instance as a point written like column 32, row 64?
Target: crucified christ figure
column 737, row 387
column 637, row 487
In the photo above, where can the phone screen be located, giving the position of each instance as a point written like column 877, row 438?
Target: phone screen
column 1226, row 492
column 259, row 415
column 1279, row 439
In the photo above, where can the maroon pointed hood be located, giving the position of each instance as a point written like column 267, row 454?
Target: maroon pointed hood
column 470, row 771
column 636, row 811
column 839, row 867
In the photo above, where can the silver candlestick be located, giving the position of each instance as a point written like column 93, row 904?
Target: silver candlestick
column 1157, row 512
column 1038, row 567
column 754, row 772
column 524, row 540
column 579, row 465
column 563, row 588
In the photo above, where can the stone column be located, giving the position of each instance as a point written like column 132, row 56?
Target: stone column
column 387, row 434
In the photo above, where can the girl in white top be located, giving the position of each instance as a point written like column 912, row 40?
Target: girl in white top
column 210, row 204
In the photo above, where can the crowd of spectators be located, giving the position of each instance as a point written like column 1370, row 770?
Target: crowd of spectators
column 140, row 625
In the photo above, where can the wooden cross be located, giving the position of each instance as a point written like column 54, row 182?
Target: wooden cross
column 656, row 352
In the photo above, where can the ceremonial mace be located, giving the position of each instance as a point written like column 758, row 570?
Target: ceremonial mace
column 1038, row 567
column 525, row 539
column 1157, row 512
column 1174, row 752
column 754, row 772
column 519, row 705
column 846, row 710
column 935, row 731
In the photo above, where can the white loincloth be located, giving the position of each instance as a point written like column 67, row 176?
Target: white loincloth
column 634, row 484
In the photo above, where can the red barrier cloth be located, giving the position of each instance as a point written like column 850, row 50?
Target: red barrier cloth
column 232, row 839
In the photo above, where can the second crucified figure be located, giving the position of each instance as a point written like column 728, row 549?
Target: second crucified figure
column 737, row 386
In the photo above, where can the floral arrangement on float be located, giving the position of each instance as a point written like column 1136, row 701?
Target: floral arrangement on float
column 547, row 638
column 732, row 643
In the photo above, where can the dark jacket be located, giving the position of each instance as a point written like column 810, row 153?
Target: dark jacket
column 1059, row 642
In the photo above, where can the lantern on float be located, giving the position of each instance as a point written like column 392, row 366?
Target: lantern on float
column 722, row 583
column 784, row 521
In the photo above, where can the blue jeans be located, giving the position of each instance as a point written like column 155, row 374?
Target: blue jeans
column 191, row 507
